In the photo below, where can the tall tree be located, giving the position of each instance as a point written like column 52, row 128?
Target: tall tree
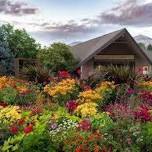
column 57, row 57
column 20, row 42
column 142, row 45
column 6, row 57
column 149, row 47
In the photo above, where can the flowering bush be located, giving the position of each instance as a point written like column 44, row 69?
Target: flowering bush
column 89, row 96
column 71, row 105
column 60, row 131
column 120, row 111
column 146, row 97
column 75, row 119
column 147, row 85
column 63, row 74
column 15, row 91
column 9, row 115
column 107, row 90
column 87, row 109
column 62, row 91
column 85, row 125
column 143, row 113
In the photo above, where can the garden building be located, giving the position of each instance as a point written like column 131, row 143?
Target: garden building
column 116, row 48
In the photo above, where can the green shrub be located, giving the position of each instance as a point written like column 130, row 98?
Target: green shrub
column 8, row 95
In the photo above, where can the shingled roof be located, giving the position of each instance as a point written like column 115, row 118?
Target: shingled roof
column 86, row 50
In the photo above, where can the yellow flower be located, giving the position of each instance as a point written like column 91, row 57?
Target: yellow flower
column 145, row 84
column 87, row 109
column 10, row 114
column 89, row 96
column 62, row 88
column 105, row 86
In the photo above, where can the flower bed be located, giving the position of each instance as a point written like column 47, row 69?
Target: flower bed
column 69, row 117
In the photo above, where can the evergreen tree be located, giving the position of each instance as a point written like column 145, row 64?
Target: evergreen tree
column 6, row 57
column 142, row 45
column 149, row 47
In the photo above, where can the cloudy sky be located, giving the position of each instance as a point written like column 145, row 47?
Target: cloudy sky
column 77, row 20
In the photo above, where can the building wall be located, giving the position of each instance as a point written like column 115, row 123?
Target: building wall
column 87, row 69
column 117, row 49
column 140, row 65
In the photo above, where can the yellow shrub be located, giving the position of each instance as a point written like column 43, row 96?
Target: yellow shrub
column 61, row 88
column 89, row 96
column 87, row 109
column 9, row 115
column 105, row 86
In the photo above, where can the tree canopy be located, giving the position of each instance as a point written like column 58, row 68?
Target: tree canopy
column 20, row 43
column 57, row 57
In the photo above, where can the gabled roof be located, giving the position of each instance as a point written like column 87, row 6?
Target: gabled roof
column 86, row 50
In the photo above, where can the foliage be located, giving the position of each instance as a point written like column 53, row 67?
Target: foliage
column 119, row 74
column 63, row 91
column 76, row 122
column 14, row 91
column 36, row 73
column 9, row 115
column 19, row 42
column 86, row 109
column 6, row 56
column 147, row 136
column 57, row 57
column 8, row 95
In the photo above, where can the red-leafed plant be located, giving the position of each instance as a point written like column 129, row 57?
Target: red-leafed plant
column 85, row 125
column 146, row 96
column 143, row 113
column 71, row 105
column 120, row 111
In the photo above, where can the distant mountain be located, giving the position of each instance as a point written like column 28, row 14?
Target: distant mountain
column 143, row 39
column 75, row 43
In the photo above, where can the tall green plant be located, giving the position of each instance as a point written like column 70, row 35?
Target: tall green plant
column 57, row 57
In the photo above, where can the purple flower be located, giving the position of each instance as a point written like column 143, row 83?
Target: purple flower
column 54, row 126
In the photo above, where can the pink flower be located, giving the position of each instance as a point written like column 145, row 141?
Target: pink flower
column 71, row 105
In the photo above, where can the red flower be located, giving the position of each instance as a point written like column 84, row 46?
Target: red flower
column 21, row 121
column 71, row 105
column 143, row 113
column 85, row 125
column 63, row 74
column 14, row 129
column 28, row 129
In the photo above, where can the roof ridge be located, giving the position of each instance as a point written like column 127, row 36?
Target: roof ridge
column 100, row 36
